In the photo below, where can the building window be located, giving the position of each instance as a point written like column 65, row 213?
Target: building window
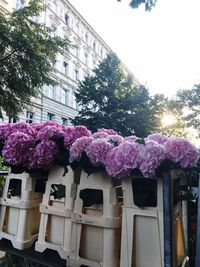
column 66, row 19
column 74, row 103
column 65, row 96
column 50, row 116
column 13, row 119
column 77, row 29
column 101, row 53
column 86, row 58
column 77, row 52
column 19, row 4
column 76, row 75
column 72, row 24
column 94, row 46
column 86, row 37
column 65, row 121
column 66, row 67
column 54, row 64
column 51, row 91
column 61, row 12
column 54, row 6
column 30, row 116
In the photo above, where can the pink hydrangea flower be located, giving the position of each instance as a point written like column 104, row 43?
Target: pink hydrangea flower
column 5, row 131
column 68, row 136
column 37, row 126
column 42, row 156
column 179, row 150
column 108, row 131
column 130, row 152
column 150, row 157
column 80, row 131
column 114, row 163
column 52, row 123
column 115, row 139
column 131, row 138
column 157, row 137
column 23, row 127
column 122, row 160
column 73, row 133
column 48, row 132
column 17, row 148
column 98, row 135
column 97, row 151
column 79, row 146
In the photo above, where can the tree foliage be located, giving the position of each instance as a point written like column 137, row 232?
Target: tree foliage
column 189, row 100
column 27, row 52
column 149, row 4
column 111, row 99
column 162, row 106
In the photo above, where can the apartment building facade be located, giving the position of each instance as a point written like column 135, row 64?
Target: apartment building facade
column 58, row 102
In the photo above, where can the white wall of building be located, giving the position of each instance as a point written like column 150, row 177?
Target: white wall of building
column 58, row 102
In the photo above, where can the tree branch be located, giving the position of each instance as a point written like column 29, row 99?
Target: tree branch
column 5, row 58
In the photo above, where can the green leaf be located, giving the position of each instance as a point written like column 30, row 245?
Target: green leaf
column 140, row 141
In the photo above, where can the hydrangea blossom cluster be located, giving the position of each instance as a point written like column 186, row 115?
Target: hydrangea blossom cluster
column 98, row 135
column 131, row 138
column 97, row 151
column 130, row 155
column 49, row 132
column 79, row 146
column 95, row 148
column 5, row 131
column 123, row 159
column 108, row 131
column 103, row 133
column 23, row 127
column 37, row 146
column 181, row 151
column 157, row 137
column 71, row 134
column 17, row 148
column 42, row 155
column 112, row 136
column 115, row 139
column 151, row 155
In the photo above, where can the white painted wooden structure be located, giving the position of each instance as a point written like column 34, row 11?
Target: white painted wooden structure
column 19, row 215
column 96, row 227
column 55, row 223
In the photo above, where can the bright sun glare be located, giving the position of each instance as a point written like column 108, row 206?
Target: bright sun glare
column 168, row 120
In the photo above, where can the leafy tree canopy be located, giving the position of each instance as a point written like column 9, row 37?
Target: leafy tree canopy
column 149, row 4
column 189, row 100
column 162, row 106
column 27, row 52
column 111, row 99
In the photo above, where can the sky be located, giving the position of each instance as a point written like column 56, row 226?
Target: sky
column 161, row 47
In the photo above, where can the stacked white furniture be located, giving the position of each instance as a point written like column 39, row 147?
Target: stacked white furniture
column 96, row 223
column 19, row 214
column 142, row 243
column 55, row 223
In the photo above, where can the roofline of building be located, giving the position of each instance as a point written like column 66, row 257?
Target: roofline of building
column 87, row 24
column 95, row 33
